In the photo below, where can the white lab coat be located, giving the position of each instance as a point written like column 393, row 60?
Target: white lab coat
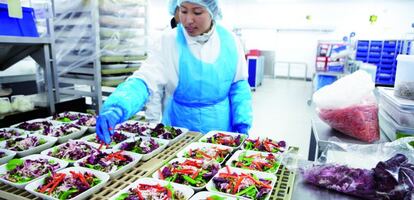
column 161, row 70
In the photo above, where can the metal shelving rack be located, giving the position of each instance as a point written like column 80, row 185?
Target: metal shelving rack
column 15, row 48
column 80, row 71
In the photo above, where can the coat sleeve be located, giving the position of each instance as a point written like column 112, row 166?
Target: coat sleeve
column 240, row 95
column 241, row 106
column 131, row 95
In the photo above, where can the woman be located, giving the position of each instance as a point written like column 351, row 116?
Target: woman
column 174, row 11
column 202, row 67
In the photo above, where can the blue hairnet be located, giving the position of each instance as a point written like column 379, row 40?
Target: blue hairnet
column 172, row 6
column 211, row 5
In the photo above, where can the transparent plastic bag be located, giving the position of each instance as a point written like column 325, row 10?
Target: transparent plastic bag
column 390, row 178
column 349, row 106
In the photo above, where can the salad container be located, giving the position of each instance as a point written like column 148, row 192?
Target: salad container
column 45, row 142
column 61, row 128
column 113, row 173
column 36, row 125
column 230, row 139
column 231, row 173
column 135, row 127
column 103, row 178
column 7, row 133
column 69, row 150
column 186, row 191
column 4, row 169
column 66, row 117
column 6, row 155
column 88, row 121
column 148, row 143
column 255, row 160
column 118, row 137
column 191, row 168
column 169, row 133
column 206, row 151
column 265, row 145
column 205, row 195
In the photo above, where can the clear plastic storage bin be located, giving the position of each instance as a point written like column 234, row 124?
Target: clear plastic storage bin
column 404, row 77
column 400, row 110
column 391, row 129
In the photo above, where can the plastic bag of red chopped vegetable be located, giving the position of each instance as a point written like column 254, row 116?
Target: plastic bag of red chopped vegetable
column 349, row 106
column 388, row 179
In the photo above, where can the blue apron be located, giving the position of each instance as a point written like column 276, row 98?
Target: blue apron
column 200, row 101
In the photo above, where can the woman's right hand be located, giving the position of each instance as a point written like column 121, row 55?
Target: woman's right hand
column 106, row 122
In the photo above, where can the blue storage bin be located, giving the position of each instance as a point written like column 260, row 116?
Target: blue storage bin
column 374, row 60
column 362, row 48
column 323, row 80
column 375, row 49
column 376, row 43
column 389, row 55
column 18, row 27
column 389, row 49
column 386, row 67
column 390, row 43
column 363, row 42
column 384, row 81
column 387, row 61
column 374, row 54
column 363, row 59
column 362, row 54
column 336, row 68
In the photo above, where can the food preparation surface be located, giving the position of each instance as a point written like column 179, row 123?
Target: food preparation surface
column 283, row 188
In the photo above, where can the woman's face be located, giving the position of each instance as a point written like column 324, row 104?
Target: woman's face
column 195, row 19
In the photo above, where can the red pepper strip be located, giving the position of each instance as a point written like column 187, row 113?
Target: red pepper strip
column 190, row 153
column 257, row 181
column 236, row 187
column 195, row 174
column 253, row 155
column 205, row 155
column 100, row 146
column 267, row 165
column 257, row 143
column 192, row 163
column 140, row 197
column 228, row 169
column 160, row 174
column 222, row 135
column 225, row 175
column 80, row 177
column 59, row 179
column 183, row 171
column 273, row 144
column 169, row 193
column 157, row 187
column 258, row 165
column 54, row 178
column 117, row 155
column 267, row 147
column 209, row 198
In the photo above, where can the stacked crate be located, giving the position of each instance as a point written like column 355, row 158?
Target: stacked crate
column 383, row 54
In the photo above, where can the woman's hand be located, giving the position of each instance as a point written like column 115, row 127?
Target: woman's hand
column 106, row 122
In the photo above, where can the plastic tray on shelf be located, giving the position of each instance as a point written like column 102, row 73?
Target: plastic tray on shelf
column 283, row 188
column 119, row 71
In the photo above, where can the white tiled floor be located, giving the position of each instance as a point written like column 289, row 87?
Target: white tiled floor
column 280, row 111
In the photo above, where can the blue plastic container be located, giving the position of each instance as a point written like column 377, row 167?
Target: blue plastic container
column 336, row 68
column 18, row 27
column 323, row 80
column 374, row 54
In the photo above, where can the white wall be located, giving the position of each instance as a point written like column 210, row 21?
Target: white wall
column 260, row 19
